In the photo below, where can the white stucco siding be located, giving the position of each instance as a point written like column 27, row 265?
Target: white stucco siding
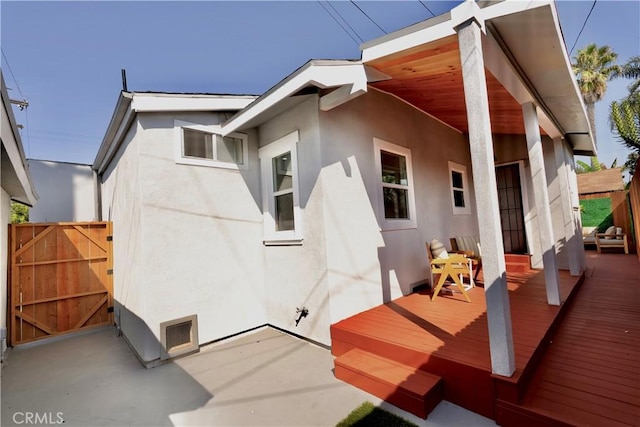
column 5, row 218
column 296, row 276
column 66, row 192
column 121, row 204
column 201, row 235
column 368, row 266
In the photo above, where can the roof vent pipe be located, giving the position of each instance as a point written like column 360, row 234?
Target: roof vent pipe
column 124, row 80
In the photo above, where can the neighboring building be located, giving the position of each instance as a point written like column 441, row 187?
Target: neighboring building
column 15, row 184
column 67, row 192
column 322, row 192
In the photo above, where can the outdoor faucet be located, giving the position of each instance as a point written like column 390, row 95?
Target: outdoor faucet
column 304, row 312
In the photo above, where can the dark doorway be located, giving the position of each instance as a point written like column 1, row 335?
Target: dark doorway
column 511, row 212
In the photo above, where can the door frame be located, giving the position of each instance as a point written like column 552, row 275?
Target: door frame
column 524, row 193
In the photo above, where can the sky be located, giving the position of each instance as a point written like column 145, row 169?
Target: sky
column 65, row 58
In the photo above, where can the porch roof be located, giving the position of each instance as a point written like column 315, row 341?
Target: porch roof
column 525, row 59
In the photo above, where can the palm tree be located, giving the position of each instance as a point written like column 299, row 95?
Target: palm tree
column 624, row 115
column 594, row 67
column 625, row 122
column 631, row 70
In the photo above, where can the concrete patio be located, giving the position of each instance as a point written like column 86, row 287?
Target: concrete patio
column 263, row 378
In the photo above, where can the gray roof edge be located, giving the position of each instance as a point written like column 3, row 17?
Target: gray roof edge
column 122, row 105
column 30, row 192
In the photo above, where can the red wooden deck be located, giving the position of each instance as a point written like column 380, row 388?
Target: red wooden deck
column 449, row 338
column 590, row 374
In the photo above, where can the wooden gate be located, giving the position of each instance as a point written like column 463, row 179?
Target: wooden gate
column 60, row 279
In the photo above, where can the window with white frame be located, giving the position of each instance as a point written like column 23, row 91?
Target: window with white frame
column 204, row 146
column 280, row 193
column 396, row 200
column 459, row 189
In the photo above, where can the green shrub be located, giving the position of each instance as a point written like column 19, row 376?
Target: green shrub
column 596, row 213
column 19, row 213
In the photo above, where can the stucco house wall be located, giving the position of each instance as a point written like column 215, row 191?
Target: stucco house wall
column 201, row 234
column 367, row 266
column 296, row 275
column 188, row 239
column 67, row 192
column 121, row 204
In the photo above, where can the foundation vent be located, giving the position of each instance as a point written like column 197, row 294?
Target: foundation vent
column 179, row 336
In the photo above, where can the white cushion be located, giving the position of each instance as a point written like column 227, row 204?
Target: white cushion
column 438, row 250
column 611, row 242
column 619, row 233
column 469, row 243
column 610, row 230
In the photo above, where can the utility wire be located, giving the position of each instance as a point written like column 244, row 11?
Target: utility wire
column 338, row 22
column 345, row 21
column 370, row 19
column 426, row 7
column 11, row 71
column 583, row 25
column 23, row 97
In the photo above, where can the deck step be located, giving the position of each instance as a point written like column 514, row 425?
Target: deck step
column 415, row 391
column 516, row 263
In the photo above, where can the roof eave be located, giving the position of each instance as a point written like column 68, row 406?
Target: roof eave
column 350, row 76
column 23, row 190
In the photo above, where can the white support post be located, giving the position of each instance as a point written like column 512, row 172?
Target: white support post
column 484, row 175
column 572, row 239
column 575, row 205
column 541, row 196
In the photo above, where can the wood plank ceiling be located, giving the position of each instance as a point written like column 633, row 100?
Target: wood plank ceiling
column 430, row 78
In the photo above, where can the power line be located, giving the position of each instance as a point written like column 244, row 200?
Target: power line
column 426, row 7
column 370, row 19
column 583, row 25
column 26, row 115
column 11, row 71
column 338, row 22
column 345, row 21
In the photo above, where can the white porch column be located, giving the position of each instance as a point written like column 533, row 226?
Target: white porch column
column 484, row 176
column 575, row 205
column 541, row 196
column 572, row 239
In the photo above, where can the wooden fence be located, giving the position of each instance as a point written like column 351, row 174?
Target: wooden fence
column 634, row 196
column 620, row 211
column 60, row 279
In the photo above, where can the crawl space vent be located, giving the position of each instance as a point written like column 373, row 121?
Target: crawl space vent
column 179, row 336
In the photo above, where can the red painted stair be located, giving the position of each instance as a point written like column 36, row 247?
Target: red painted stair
column 408, row 388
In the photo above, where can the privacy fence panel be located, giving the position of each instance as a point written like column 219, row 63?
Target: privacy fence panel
column 634, row 197
column 61, row 279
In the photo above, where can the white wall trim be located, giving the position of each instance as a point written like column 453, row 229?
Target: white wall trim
column 394, row 224
column 179, row 125
column 266, row 154
column 524, row 194
column 462, row 169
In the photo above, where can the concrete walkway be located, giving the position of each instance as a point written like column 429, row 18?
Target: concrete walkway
column 264, row 378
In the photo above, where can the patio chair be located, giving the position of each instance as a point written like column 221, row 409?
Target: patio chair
column 613, row 237
column 469, row 246
column 446, row 265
